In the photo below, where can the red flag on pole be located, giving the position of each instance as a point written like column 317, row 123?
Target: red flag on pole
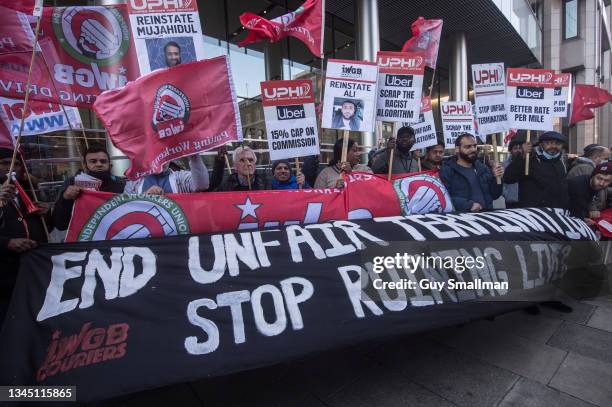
column 425, row 38
column 15, row 32
column 172, row 113
column 305, row 24
column 587, row 97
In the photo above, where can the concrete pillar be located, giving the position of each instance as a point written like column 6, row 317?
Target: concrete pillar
column 367, row 39
column 458, row 81
column 273, row 59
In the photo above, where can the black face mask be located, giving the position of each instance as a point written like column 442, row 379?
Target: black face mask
column 104, row 176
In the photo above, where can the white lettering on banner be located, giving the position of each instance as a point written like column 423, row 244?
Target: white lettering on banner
column 66, row 74
column 285, row 302
column 128, row 283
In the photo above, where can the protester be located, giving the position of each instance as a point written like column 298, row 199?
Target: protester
column 470, row 183
column 20, row 231
column 347, row 118
column 282, row 177
column 584, row 188
column 434, row 155
column 169, row 181
column 310, row 168
column 511, row 191
column 546, row 184
column 97, row 164
column 593, row 155
column 244, row 177
column 172, row 53
column 403, row 160
column 331, row 176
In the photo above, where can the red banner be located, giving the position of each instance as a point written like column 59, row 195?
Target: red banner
column 305, row 24
column 425, row 38
column 104, row 216
column 172, row 113
column 15, row 32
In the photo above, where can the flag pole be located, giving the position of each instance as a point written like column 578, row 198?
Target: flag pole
column 35, row 196
column 527, row 155
column 25, row 100
column 391, row 154
column 345, row 139
column 297, row 169
column 495, row 155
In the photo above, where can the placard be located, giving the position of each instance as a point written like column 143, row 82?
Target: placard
column 166, row 33
column 530, row 99
column 425, row 128
column 563, row 82
column 400, row 85
column 457, row 118
column 40, row 118
column 489, row 83
column 291, row 121
column 350, row 95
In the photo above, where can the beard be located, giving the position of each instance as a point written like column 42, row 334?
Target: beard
column 471, row 158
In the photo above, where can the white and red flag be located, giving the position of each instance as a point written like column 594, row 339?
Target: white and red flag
column 172, row 113
column 425, row 38
column 306, row 24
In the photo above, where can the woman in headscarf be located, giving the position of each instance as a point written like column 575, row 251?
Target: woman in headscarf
column 283, row 178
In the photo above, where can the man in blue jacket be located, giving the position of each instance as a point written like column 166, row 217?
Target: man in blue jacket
column 470, row 183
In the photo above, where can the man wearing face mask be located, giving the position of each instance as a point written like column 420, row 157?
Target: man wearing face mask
column 96, row 162
column 470, row 183
column 546, row 184
column 403, row 160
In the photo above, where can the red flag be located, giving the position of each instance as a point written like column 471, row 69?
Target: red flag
column 511, row 133
column 587, row 97
column 172, row 113
column 305, row 24
column 604, row 222
column 425, row 38
column 25, row 6
column 15, row 32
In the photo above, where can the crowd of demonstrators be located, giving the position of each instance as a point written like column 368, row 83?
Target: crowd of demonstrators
column 20, row 230
column 172, row 181
column 96, row 163
column 434, row 156
column 546, row 183
column 471, row 184
column 331, row 176
column 403, row 160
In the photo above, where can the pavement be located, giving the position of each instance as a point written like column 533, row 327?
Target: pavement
column 517, row 359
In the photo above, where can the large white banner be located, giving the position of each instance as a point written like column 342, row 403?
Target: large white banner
column 530, row 98
column 563, row 83
column 400, row 85
column 166, row 33
column 457, row 118
column 489, row 84
column 40, row 118
column 350, row 95
column 425, row 128
column 291, row 122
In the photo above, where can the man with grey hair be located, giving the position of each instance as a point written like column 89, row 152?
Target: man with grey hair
column 592, row 156
column 244, row 177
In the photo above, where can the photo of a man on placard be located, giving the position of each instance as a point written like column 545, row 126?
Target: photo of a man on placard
column 172, row 52
column 347, row 114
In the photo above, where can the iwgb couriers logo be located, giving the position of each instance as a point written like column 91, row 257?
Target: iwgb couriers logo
column 135, row 216
column 170, row 111
column 423, row 193
column 98, row 35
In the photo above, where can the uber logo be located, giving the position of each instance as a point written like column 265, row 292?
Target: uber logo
column 398, row 80
column 290, row 112
column 529, row 92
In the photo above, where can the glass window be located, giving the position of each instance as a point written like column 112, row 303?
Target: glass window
column 570, row 19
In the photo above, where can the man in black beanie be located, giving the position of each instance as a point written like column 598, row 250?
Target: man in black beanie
column 546, row 184
column 584, row 188
column 96, row 162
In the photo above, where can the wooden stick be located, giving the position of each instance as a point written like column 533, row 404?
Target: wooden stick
column 433, row 80
column 527, row 155
column 297, row 170
column 495, row 155
column 345, row 139
column 25, row 100
column 419, row 163
column 390, row 165
column 227, row 163
column 249, row 180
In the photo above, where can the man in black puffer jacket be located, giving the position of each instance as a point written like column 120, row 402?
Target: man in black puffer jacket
column 546, row 184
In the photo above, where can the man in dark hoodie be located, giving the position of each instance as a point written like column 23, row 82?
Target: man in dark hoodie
column 96, row 162
column 470, row 183
column 403, row 160
column 546, row 184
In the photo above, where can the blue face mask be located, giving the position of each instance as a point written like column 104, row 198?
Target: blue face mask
column 549, row 156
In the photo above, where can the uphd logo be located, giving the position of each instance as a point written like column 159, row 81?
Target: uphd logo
column 397, row 62
column 529, row 92
column 290, row 112
column 289, row 92
column 140, row 5
column 487, row 76
column 349, row 71
column 456, row 109
column 531, row 77
column 399, row 80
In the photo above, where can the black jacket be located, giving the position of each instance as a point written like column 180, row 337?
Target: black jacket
column 459, row 189
column 62, row 210
column 13, row 226
column 546, row 184
column 231, row 183
column 581, row 195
